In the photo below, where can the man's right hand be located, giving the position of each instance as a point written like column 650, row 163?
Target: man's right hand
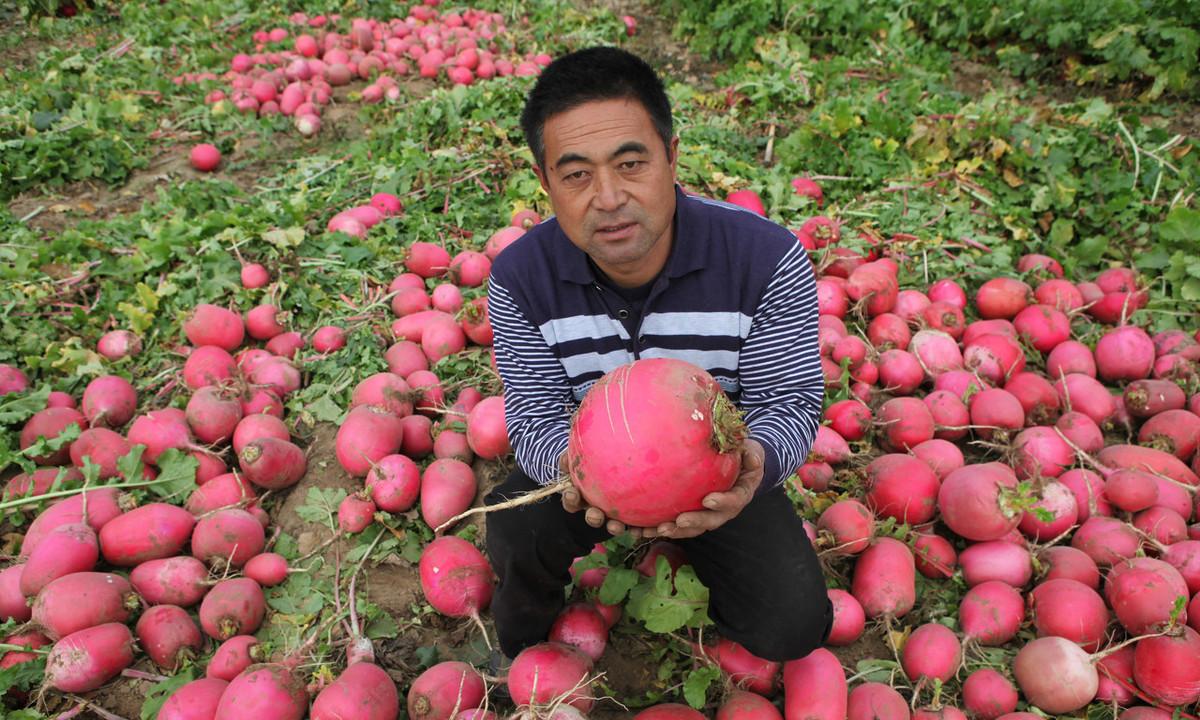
column 573, row 502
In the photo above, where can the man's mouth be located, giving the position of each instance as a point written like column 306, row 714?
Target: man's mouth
column 614, row 228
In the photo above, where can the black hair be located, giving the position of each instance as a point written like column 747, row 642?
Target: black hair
column 596, row 73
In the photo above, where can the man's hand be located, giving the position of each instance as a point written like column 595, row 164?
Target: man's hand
column 722, row 506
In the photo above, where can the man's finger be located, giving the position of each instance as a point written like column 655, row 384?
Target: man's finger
column 615, row 527
column 570, row 499
column 701, row 521
column 594, row 517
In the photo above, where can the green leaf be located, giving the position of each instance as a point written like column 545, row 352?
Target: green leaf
column 176, row 473
column 695, row 686
column 23, row 676
column 617, row 584
column 663, row 608
column 19, row 407
column 1190, row 290
column 382, row 627
column 1181, row 225
column 321, row 504
column 160, row 692
column 130, row 465
column 285, row 239
column 46, row 446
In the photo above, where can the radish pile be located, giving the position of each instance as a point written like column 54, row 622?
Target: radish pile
column 293, row 72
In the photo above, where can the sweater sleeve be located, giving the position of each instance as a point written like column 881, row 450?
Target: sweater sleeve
column 537, row 394
column 780, row 366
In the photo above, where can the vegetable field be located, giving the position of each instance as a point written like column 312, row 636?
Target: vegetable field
column 246, row 387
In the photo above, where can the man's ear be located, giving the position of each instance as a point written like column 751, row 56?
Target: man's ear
column 541, row 176
column 673, row 153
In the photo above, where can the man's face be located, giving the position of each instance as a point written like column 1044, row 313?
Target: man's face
column 612, row 183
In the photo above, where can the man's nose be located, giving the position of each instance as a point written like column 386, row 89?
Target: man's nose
column 610, row 193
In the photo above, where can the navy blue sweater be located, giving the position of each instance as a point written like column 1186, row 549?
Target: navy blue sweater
column 737, row 297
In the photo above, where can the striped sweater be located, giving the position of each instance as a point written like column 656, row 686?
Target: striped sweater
column 737, row 297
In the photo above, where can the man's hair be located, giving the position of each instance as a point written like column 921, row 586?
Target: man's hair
column 597, row 73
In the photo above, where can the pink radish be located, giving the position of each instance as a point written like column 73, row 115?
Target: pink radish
column 1082, row 431
column 884, row 579
column 272, row 463
column 470, row 268
column 875, row 701
column 394, row 483
column 996, row 413
column 934, row 556
column 85, row 660
column 328, row 339
column 1036, row 395
column 849, row 418
column 66, row 549
column 441, row 689
column 901, row 487
column 427, row 260
column 1065, row 562
column 1148, row 459
column 1167, row 667
column 13, row 605
column 991, row 613
column 286, row 345
column 272, row 691
column 1058, row 502
column 501, row 239
column 452, row 445
column 405, row 357
column 1041, row 452
column 1070, row 357
column 267, row 569
column 254, row 276
column 1069, row 609
column 545, row 672
column 180, row 580
column 942, row 456
column 829, row 447
column 1143, row 593
column 815, row 476
column 43, row 480
column 261, row 401
column 1086, row 395
column 408, row 301
column 228, row 537
column 386, row 391
column 221, row 491
column 442, row 339
column 366, row 436
column 232, row 607
column 277, row 374
column 1125, row 353
column 1043, row 326
column 993, row 356
column 266, row 321
column 355, row 513
column 974, row 501
column 429, row 388
column 103, row 504
column 745, row 669
column 1002, row 298
column 1106, row 540
column 1056, row 675
column 814, row 687
column 117, row 344
column 996, row 560
column 949, row 413
column 50, row 423
column 213, row 415
column 1131, row 490
column 1059, row 294
column 447, row 488
column 109, row 401
column 212, row 325
column 196, row 700
column 363, row 691
column 932, row 652
column 102, row 447
column 233, row 656
column 257, row 427
column 1116, row 676
column 849, row 620
column 161, row 430
column 907, row 423
column 987, row 694
column 146, row 533
column 936, row 351
column 169, row 636
column 1173, row 431
column 742, row 705
column 1088, row 489
column 416, row 433
column 1147, row 398
column 900, row 371
column 208, row 365
column 455, row 577
column 850, row 526
column 82, row 600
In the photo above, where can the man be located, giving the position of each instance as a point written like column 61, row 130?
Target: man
column 631, row 267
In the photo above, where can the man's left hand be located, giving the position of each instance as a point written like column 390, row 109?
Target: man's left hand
column 721, row 506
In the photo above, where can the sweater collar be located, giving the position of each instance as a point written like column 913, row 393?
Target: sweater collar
column 687, row 250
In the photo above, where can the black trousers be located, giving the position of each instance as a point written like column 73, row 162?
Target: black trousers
column 766, row 590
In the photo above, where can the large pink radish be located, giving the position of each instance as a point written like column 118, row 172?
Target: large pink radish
column 438, row 691
column 1106, row 540
column 103, row 447
column 258, row 426
column 394, row 483
column 103, row 504
column 81, row 600
column 455, row 577
column 670, row 439
column 1147, row 398
column 884, row 579
column 546, row 672
column 932, row 652
column 1116, row 676
column 160, row 430
column 366, row 436
column 991, row 613
column 996, row 414
column 744, row 668
column 196, row 700
column 447, row 489
column 273, row 464
column 742, row 705
column 213, row 414
column 1088, row 489
column 169, row 636
column 581, row 626
column 1058, row 504
column 109, row 401
column 1040, row 452
column 221, row 491
column 386, row 391
column 153, row 531
column 1069, row 609
column 43, row 480
column 814, row 687
column 85, row 660
column 228, row 537
column 208, row 366
column 1125, row 353
column 1167, row 668
column 1143, row 593
column 1085, row 394
column 267, row 569
column 364, row 691
column 1150, row 460
column 273, row 691
column 233, row 656
column 1056, row 675
column 902, row 487
column 13, row 605
column 876, row 701
column 987, row 694
column 232, row 607
column 1002, row 297
column 66, row 549
column 487, row 433
column 1065, row 562
column 50, row 423
column 849, row 526
column 1000, row 560
column 975, row 501
column 180, row 580
column 1173, row 431
column 212, row 325
column 1036, row 395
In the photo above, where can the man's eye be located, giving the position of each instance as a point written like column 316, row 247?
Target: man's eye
column 575, row 176
column 630, row 164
